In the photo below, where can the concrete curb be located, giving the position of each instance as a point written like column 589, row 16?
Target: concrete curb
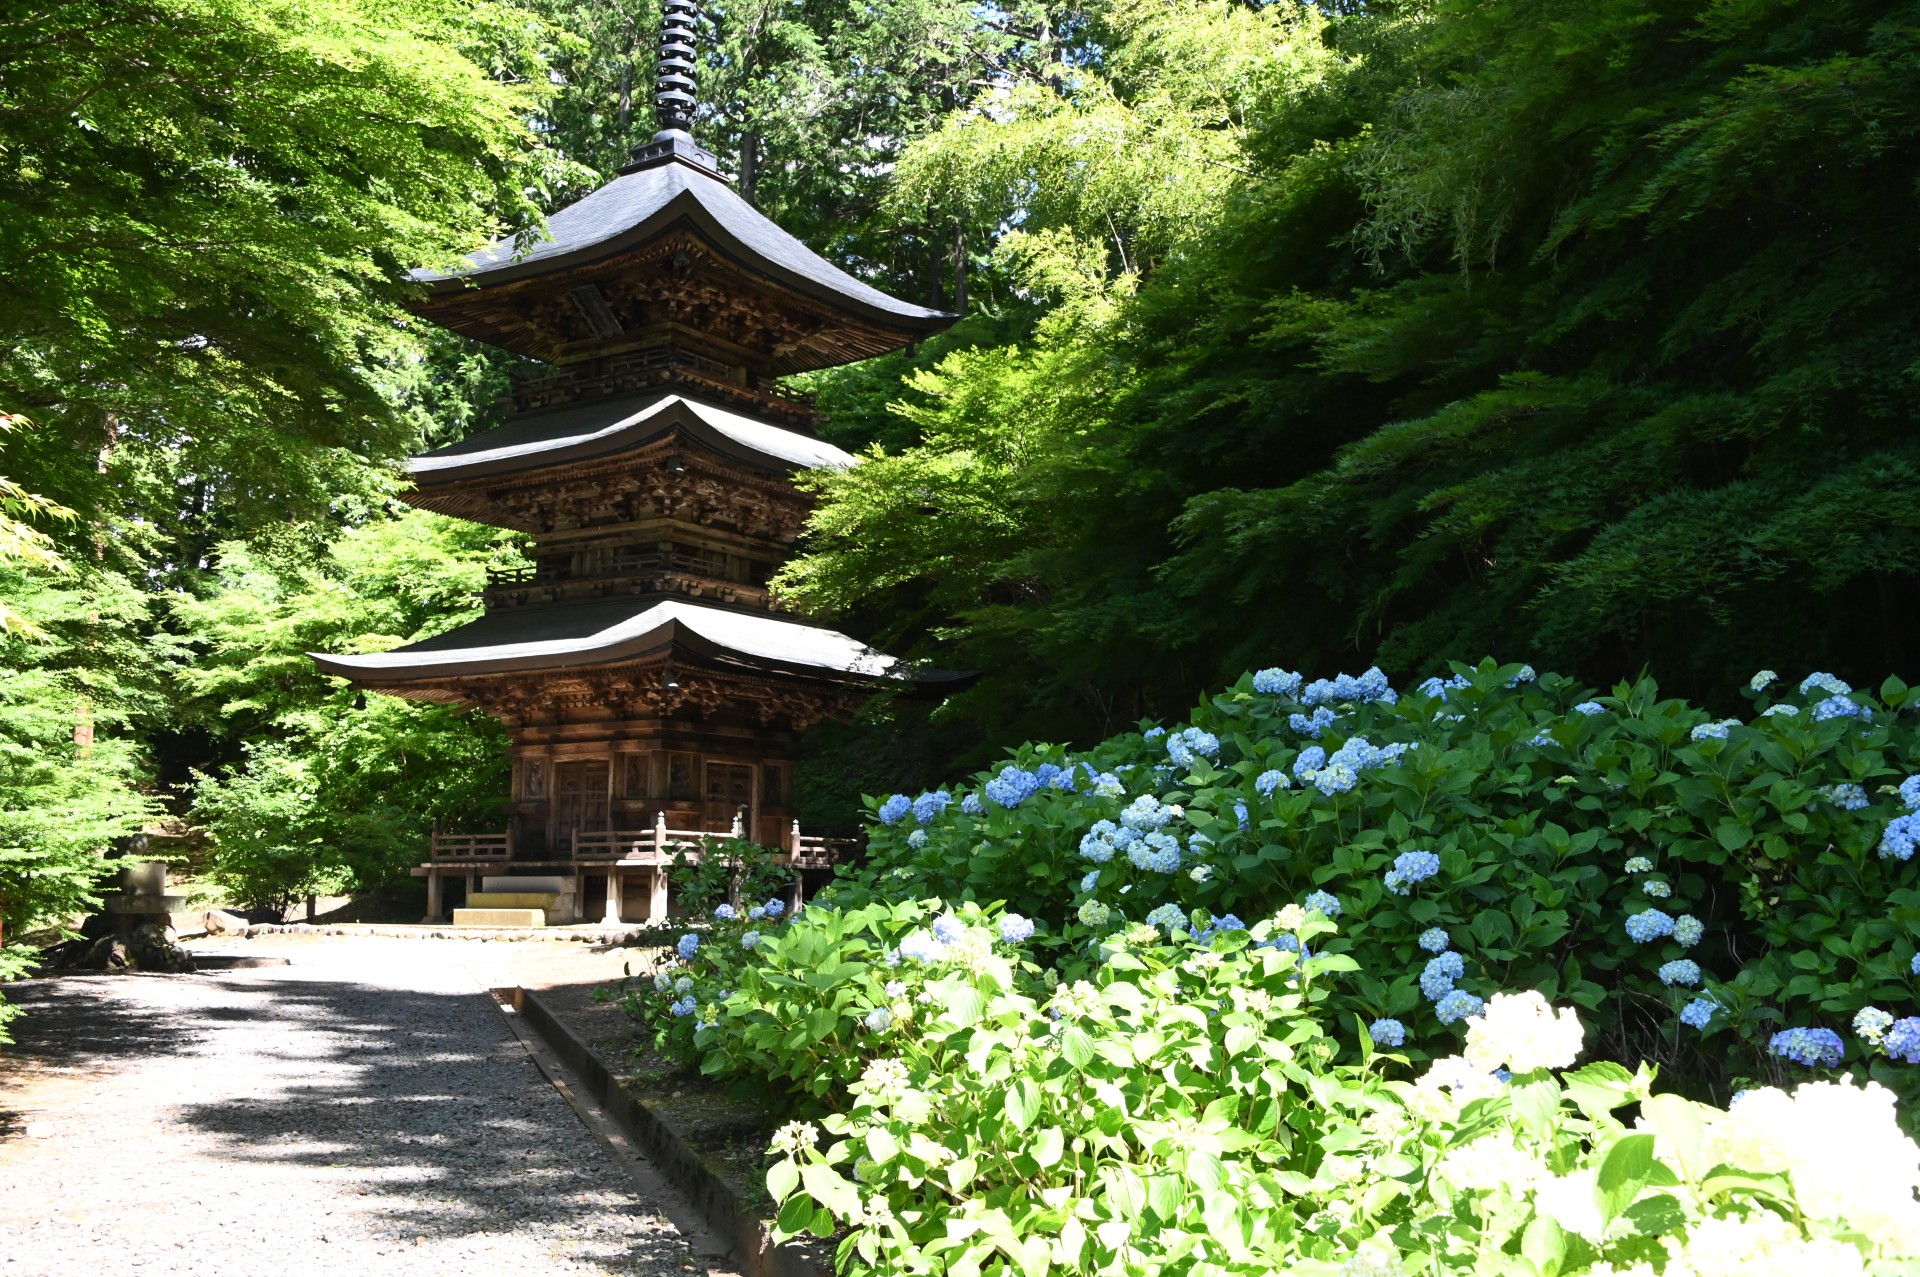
column 626, row 937
column 727, row 1213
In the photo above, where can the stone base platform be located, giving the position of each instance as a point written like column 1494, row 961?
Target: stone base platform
column 499, row 917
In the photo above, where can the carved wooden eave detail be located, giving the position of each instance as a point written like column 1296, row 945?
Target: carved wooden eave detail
column 640, row 691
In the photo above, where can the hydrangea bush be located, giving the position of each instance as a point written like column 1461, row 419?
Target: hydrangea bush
column 1698, row 886
column 1183, row 1110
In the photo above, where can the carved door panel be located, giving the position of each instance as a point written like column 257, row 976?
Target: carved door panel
column 579, row 799
column 729, row 788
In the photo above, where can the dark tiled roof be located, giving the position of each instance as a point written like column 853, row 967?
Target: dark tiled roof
column 638, row 206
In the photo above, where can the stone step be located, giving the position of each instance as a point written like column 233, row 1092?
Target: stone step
column 499, row 917
column 512, row 900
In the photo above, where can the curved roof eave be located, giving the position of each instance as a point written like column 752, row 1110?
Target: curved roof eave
column 641, row 205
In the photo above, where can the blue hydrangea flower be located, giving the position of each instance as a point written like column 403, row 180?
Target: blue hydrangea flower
column 683, row 986
column 751, row 940
column 1841, row 707
column 1434, row 940
column 1153, row 733
column 1526, row 675
column 775, row 907
column 1589, row 708
column 1092, row 879
column 1438, row 687
column 1335, row 778
column 1361, row 755
column 1541, row 741
column 1325, row 902
column 1901, row 836
column 1638, row 864
column 1649, row 924
column 1320, row 720
column 1698, row 1013
column 1098, row 844
column 1914, row 966
column 1871, row 1023
column 1108, row 785
column 1458, row 1005
column 972, row 805
column 1780, row 711
column 1415, row 866
column 1847, row 797
column 1012, row 786
column 683, row 1008
column 1815, row 1048
column 1688, row 929
column 1713, row 731
column 1276, row 682
column 894, row 808
column 927, row 807
column 1015, row 929
column 947, row 928
column 1184, row 746
column 896, row 988
column 1240, row 815
column 1147, row 812
column 689, row 945
column 1824, row 683
column 1437, row 977
column 1311, row 760
column 1658, row 888
column 879, row 1020
column 1169, row 916
column 1267, row 781
column 1387, row 1032
column 724, row 913
column 756, row 913
column 1156, row 852
column 1910, row 793
column 1681, row 971
column 922, row 946
column 1903, row 1040
column 1761, row 681
column 917, row 839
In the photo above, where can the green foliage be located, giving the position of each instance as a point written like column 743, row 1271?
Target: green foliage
column 707, row 875
column 335, row 789
column 1552, row 827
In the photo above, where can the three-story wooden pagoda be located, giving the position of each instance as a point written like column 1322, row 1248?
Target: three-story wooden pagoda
column 648, row 683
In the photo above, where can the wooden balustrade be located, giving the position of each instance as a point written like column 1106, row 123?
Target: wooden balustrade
column 471, row 846
column 656, row 846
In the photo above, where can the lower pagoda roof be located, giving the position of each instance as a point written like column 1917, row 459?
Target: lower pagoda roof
column 589, row 635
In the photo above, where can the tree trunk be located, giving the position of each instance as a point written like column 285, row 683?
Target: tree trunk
column 749, row 166
column 960, row 268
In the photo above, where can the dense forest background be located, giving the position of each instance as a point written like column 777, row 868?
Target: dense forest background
column 1579, row 333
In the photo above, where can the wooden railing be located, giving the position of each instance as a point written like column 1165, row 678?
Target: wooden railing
column 472, row 846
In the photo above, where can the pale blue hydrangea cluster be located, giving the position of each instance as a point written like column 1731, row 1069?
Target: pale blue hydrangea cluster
column 1437, row 687
column 688, row 946
column 1589, row 708
column 1684, row 972
column 1871, row 1024
column 1434, row 940
column 892, row 810
column 1841, row 707
column 1698, row 1013
column 972, row 805
column 947, row 928
column 1276, row 682
column 922, row 945
column 1324, row 903
column 750, row 941
column 1456, row 1006
column 1913, row 966
column 1240, row 815
column 879, row 1020
column 1437, row 977
column 1526, row 675
column 1713, row 731
column 1315, row 724
column 1156, row 852
column 1824, row 683
column 1015, row 929
column 683, row 1007
column 1688, row 929
column 1762, row 681
column 724, row 913
column 1014, row 785
column 927, row 807
column 1267, row 781
column 917, row 839
column 1649, row 925
column 1903, row 1040
column 1184, row 746
column 1541, row 741
column 1342, row 688
column 1107, row 785
column 896, row 988
column 1910, row 793
column 1147, row 812
column 1153, row 733
column 1225, row 922
column 1411, row 867
column 1169, row 917
column 1092, row 879
column 1847, row 797
column 1387, row 1032
column 1657, row 888
column 1815, row 1048
column 1340, row 772
column 1638, row 864
column 1901, row 837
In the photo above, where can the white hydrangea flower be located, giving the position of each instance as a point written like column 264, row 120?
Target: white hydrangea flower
column 1523, row 1032
column 1572, row 1202
column 1492, row 1164
column 1373, row 1259
column 1764, row 1245
column 794, row 1138
column 1291, row 918
column 884, row 1080
column 1461, row 1079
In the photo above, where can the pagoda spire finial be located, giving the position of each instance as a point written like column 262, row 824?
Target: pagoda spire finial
column 674, row 85
column 673, row 95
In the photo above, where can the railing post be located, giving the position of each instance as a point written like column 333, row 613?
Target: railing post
column 660, row 836
column 740, row 822
column 793, row 848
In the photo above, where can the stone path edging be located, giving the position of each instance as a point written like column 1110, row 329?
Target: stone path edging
column 727, row 1213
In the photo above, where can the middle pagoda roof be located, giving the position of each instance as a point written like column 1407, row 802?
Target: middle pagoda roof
column 668, row 255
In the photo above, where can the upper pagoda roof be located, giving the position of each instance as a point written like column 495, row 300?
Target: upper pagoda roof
column 583, row 636
column 668, row 252
column 586, row 432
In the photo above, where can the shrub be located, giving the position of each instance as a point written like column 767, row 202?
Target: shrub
column 1694, row 885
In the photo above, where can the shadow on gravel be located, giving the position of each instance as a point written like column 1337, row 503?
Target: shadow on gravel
column 429, row 1097
column 85, row 1022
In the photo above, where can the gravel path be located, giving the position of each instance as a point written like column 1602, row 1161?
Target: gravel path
column 364, row 1112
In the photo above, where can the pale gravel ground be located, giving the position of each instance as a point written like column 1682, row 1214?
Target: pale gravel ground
column 364, row 1112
